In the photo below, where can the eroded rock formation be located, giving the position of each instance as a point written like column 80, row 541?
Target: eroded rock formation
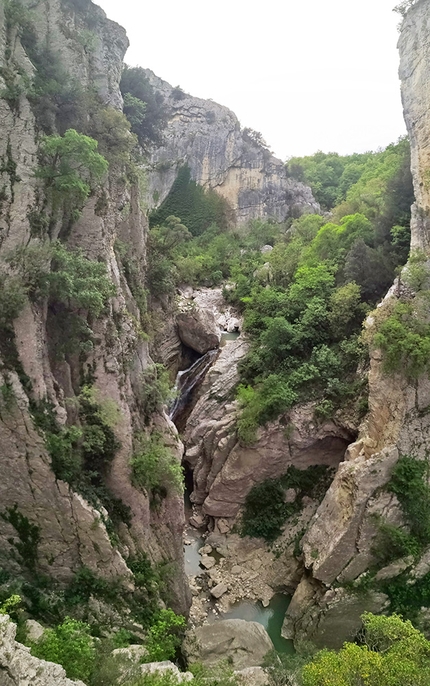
column 207, row 137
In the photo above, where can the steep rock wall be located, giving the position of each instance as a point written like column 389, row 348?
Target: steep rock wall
column 71, row 531
column 338, row 546
column 208, row 138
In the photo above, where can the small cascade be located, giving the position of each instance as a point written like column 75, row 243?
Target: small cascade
column 187, row 382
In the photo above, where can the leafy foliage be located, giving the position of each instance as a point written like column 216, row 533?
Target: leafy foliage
column 266, row 511
column 165, row 636
column 154, row 467
column 143, row 106
column 197, row 208
column 69, row 644
column 394, row 653
column 70, row 168
column 154, row 390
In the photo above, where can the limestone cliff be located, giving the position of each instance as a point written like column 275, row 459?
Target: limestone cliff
column 339, row 545
column 69, row 532
column 208, row 138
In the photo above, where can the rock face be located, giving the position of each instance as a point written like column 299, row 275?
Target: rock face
column 19, row 668
column 70, row 532
column 242, row 643
column 414, row 74
column 338, row 545
column 198, row 330
column 224, row 470
column 208, row 138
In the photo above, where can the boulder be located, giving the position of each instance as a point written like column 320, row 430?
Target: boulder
column 252, row 676
column 243, row 644
column 34, row 630
column 198, row 330
column 219, row 590
column 164, row 668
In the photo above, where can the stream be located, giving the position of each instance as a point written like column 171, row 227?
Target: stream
column 272, row 616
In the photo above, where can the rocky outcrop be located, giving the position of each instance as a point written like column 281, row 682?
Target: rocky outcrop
column 241, row 643
column 224, row 469
column 70, row 532
column 19, row 668
column 207, row 137
column 198, row 330
column 328, row 619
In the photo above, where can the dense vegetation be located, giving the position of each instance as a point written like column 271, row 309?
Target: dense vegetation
column 266, row 511
column 304, row 302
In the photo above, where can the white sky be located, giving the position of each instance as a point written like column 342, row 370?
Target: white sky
column 310, row 75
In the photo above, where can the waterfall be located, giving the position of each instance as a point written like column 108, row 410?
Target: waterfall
column 187, row 381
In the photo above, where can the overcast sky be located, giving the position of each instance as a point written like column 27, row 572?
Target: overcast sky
column 310, row 75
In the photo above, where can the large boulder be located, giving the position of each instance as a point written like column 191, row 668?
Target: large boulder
column 19, row 668
column 198, row 330
column 243, row 644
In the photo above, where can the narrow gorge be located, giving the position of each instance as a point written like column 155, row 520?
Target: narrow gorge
column 177, row 305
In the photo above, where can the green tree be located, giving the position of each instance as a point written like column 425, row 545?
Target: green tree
column 393, row 653
column 70, row 167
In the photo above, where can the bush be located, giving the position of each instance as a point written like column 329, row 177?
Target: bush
column 165, row 636
column 404, row 338
column 154, row 390
column 70, row 644
column 143, row 106
column 155, row 468
column 70, row 168
column 265, row 511
column 409, row 482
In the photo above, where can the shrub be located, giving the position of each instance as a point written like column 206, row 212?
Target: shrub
column 164, row 636
column 78, row 282
column 409, row 482
column 70, row 644
column 143, row 106
column 154, row 467
column 154, row 390
column 265, row 511
column 404, row 338
column 70, row 168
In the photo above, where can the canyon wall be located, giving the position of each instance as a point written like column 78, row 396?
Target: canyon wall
column 339, row 545
column 68, row 531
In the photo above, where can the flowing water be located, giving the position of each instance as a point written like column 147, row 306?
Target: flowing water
column 187, row 382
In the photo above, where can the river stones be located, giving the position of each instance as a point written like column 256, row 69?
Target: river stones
column 242, row 643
